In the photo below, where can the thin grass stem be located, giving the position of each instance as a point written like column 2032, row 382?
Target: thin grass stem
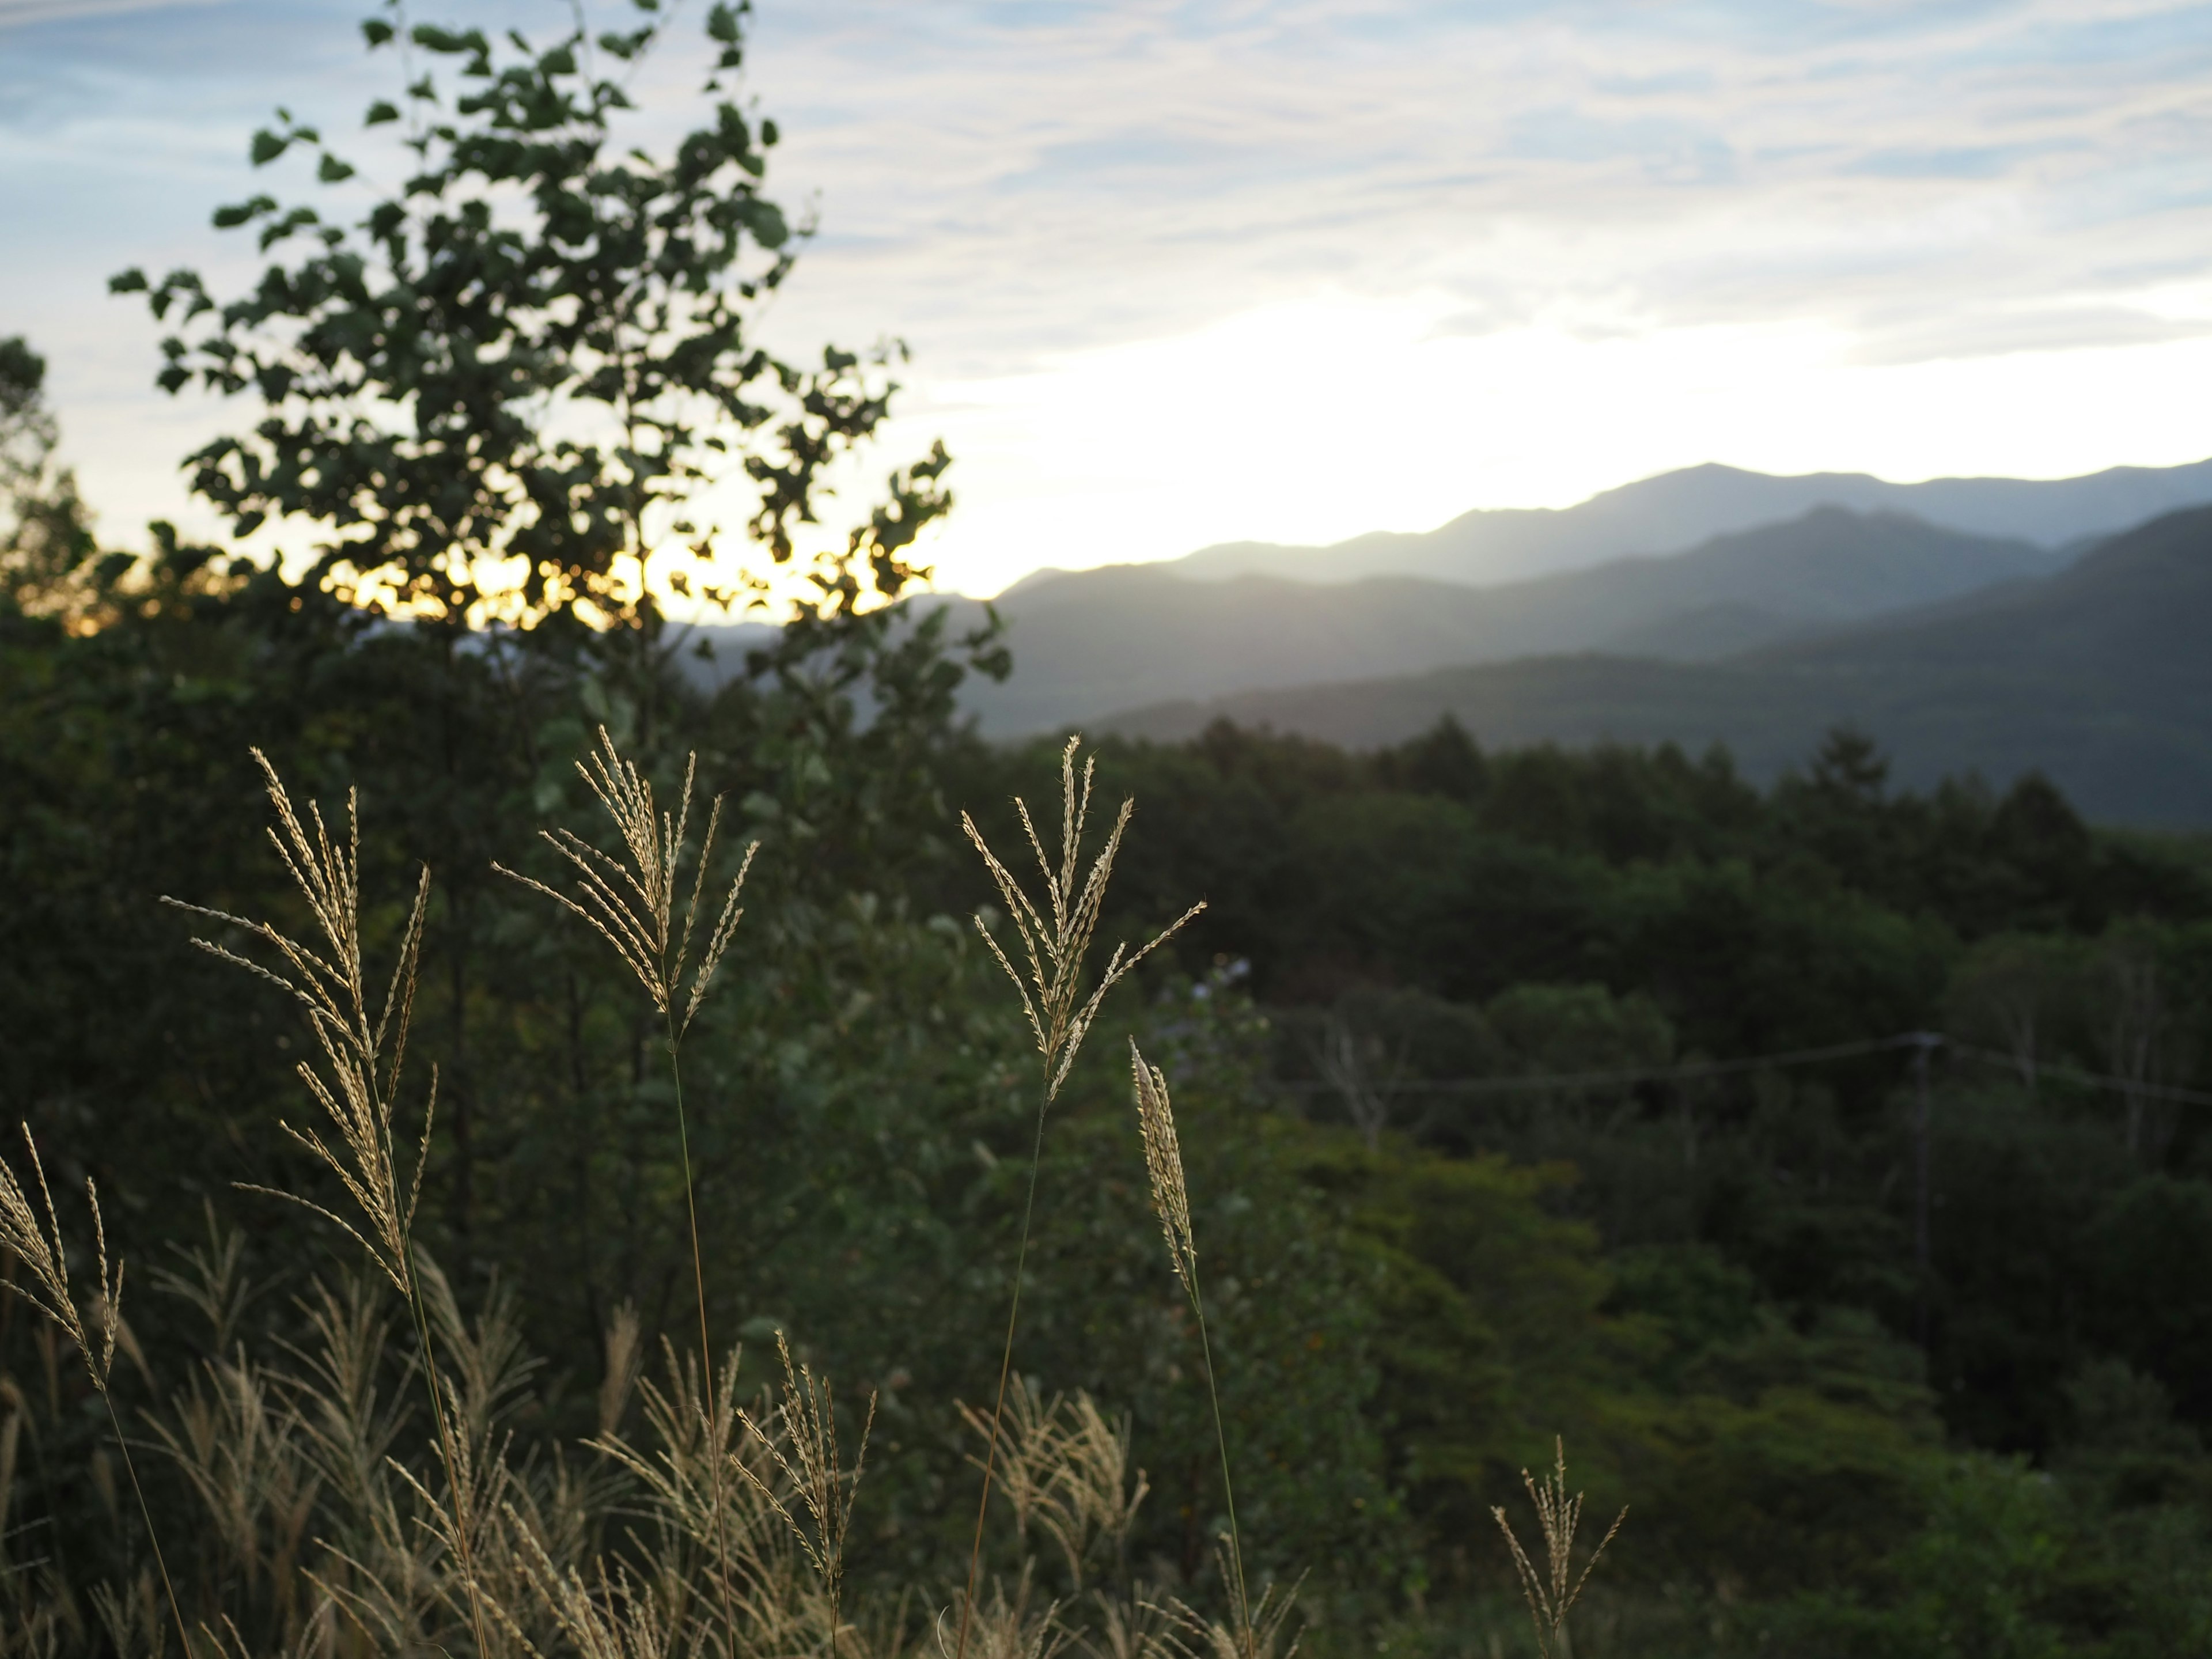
column 1005, row 1369
column 706, row 1352
column 1228, row 1485
column 161, row 1561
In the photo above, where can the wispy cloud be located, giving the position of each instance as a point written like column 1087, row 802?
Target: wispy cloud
column 1063, row 202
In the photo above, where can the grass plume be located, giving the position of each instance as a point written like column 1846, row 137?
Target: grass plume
column 1552, row 1590
column 37, row 1243
column 631, row 903
column 363, row 1048
column 1055, row 941
column 819, row 1509
column 1171, row 1203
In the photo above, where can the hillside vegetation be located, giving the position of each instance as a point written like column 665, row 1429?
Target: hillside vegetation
column 1459, row 1180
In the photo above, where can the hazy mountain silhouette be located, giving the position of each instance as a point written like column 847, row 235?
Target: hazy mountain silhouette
column 2099, row 675
column 1676, row 510
column 1093, row 642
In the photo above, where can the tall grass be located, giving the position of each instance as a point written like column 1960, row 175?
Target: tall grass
column 631, row 903
column 1056, row 946
column 717, row 1527
column 363, row 1046
column 1552, row 1588
column 36, row 1242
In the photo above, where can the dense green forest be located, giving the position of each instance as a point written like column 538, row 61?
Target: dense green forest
column 1445, row 1042
column 1821, row 1160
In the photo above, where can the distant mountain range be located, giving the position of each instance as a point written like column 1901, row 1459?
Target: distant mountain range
column 1969, row 623
column 1093, row 642
column 1677, row 510
column 2100, row 675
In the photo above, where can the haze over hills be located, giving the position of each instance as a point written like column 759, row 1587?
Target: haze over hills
column 1092, row 641
column 1676, row 510
column 2099, row 675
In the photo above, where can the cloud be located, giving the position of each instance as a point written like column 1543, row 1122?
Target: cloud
column 16, row 12
column 1029, row 192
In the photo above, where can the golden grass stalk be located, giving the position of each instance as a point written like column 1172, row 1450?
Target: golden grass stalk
column 1171, row 1203
column 363, row 1046
column 1257, row 1633
column 805, row 1454
column 1055, row 940
column 631, row 903
column 1055, row 949
column 1553, row 1591
column 1065, row 1465
column 37, row 1243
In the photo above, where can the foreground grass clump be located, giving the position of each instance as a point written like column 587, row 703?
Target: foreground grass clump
column 366, row 1466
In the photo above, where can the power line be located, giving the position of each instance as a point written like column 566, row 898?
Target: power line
column 1541, row 1081
column 2095, row 1080
column 1538, row 1083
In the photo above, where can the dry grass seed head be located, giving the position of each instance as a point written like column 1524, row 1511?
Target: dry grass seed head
column 1064, row 1465
column 363, row 1051
column 631, row 902
column 1056, row 938
column 805, row 1454
column 1252, row 1632
column 1008, row 1627
column 1133, row 1627
column 37, row 1243
column 1553, row 1591
column 1163, row 1164
column 625, row 1358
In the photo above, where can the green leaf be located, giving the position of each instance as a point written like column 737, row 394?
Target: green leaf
column 379, row 112
column 132, row 280
column 239, row 213
column 376, row 31
column 769, row 134
column 722, row 23
column 267, row 147
column 332, row 171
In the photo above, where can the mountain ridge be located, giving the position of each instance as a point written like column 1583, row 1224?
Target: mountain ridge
column 1672, row 511
column 2096, row 675
column 1087, row 642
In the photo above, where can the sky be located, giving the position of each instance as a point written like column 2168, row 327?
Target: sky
column 1180, row 271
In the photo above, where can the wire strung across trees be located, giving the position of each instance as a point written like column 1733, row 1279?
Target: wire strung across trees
column 1689, row 1071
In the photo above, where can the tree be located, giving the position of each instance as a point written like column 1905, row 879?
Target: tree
column 46, row 543
column 498, row 391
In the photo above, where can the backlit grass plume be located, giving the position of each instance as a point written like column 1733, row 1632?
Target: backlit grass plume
column 1055, row 943
column 1056, row 938
column 36, row 1242
column 1552, row 1590
column 819, row 1510
column 363, row 1046
column 1171, row 1203
column 631, row 903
